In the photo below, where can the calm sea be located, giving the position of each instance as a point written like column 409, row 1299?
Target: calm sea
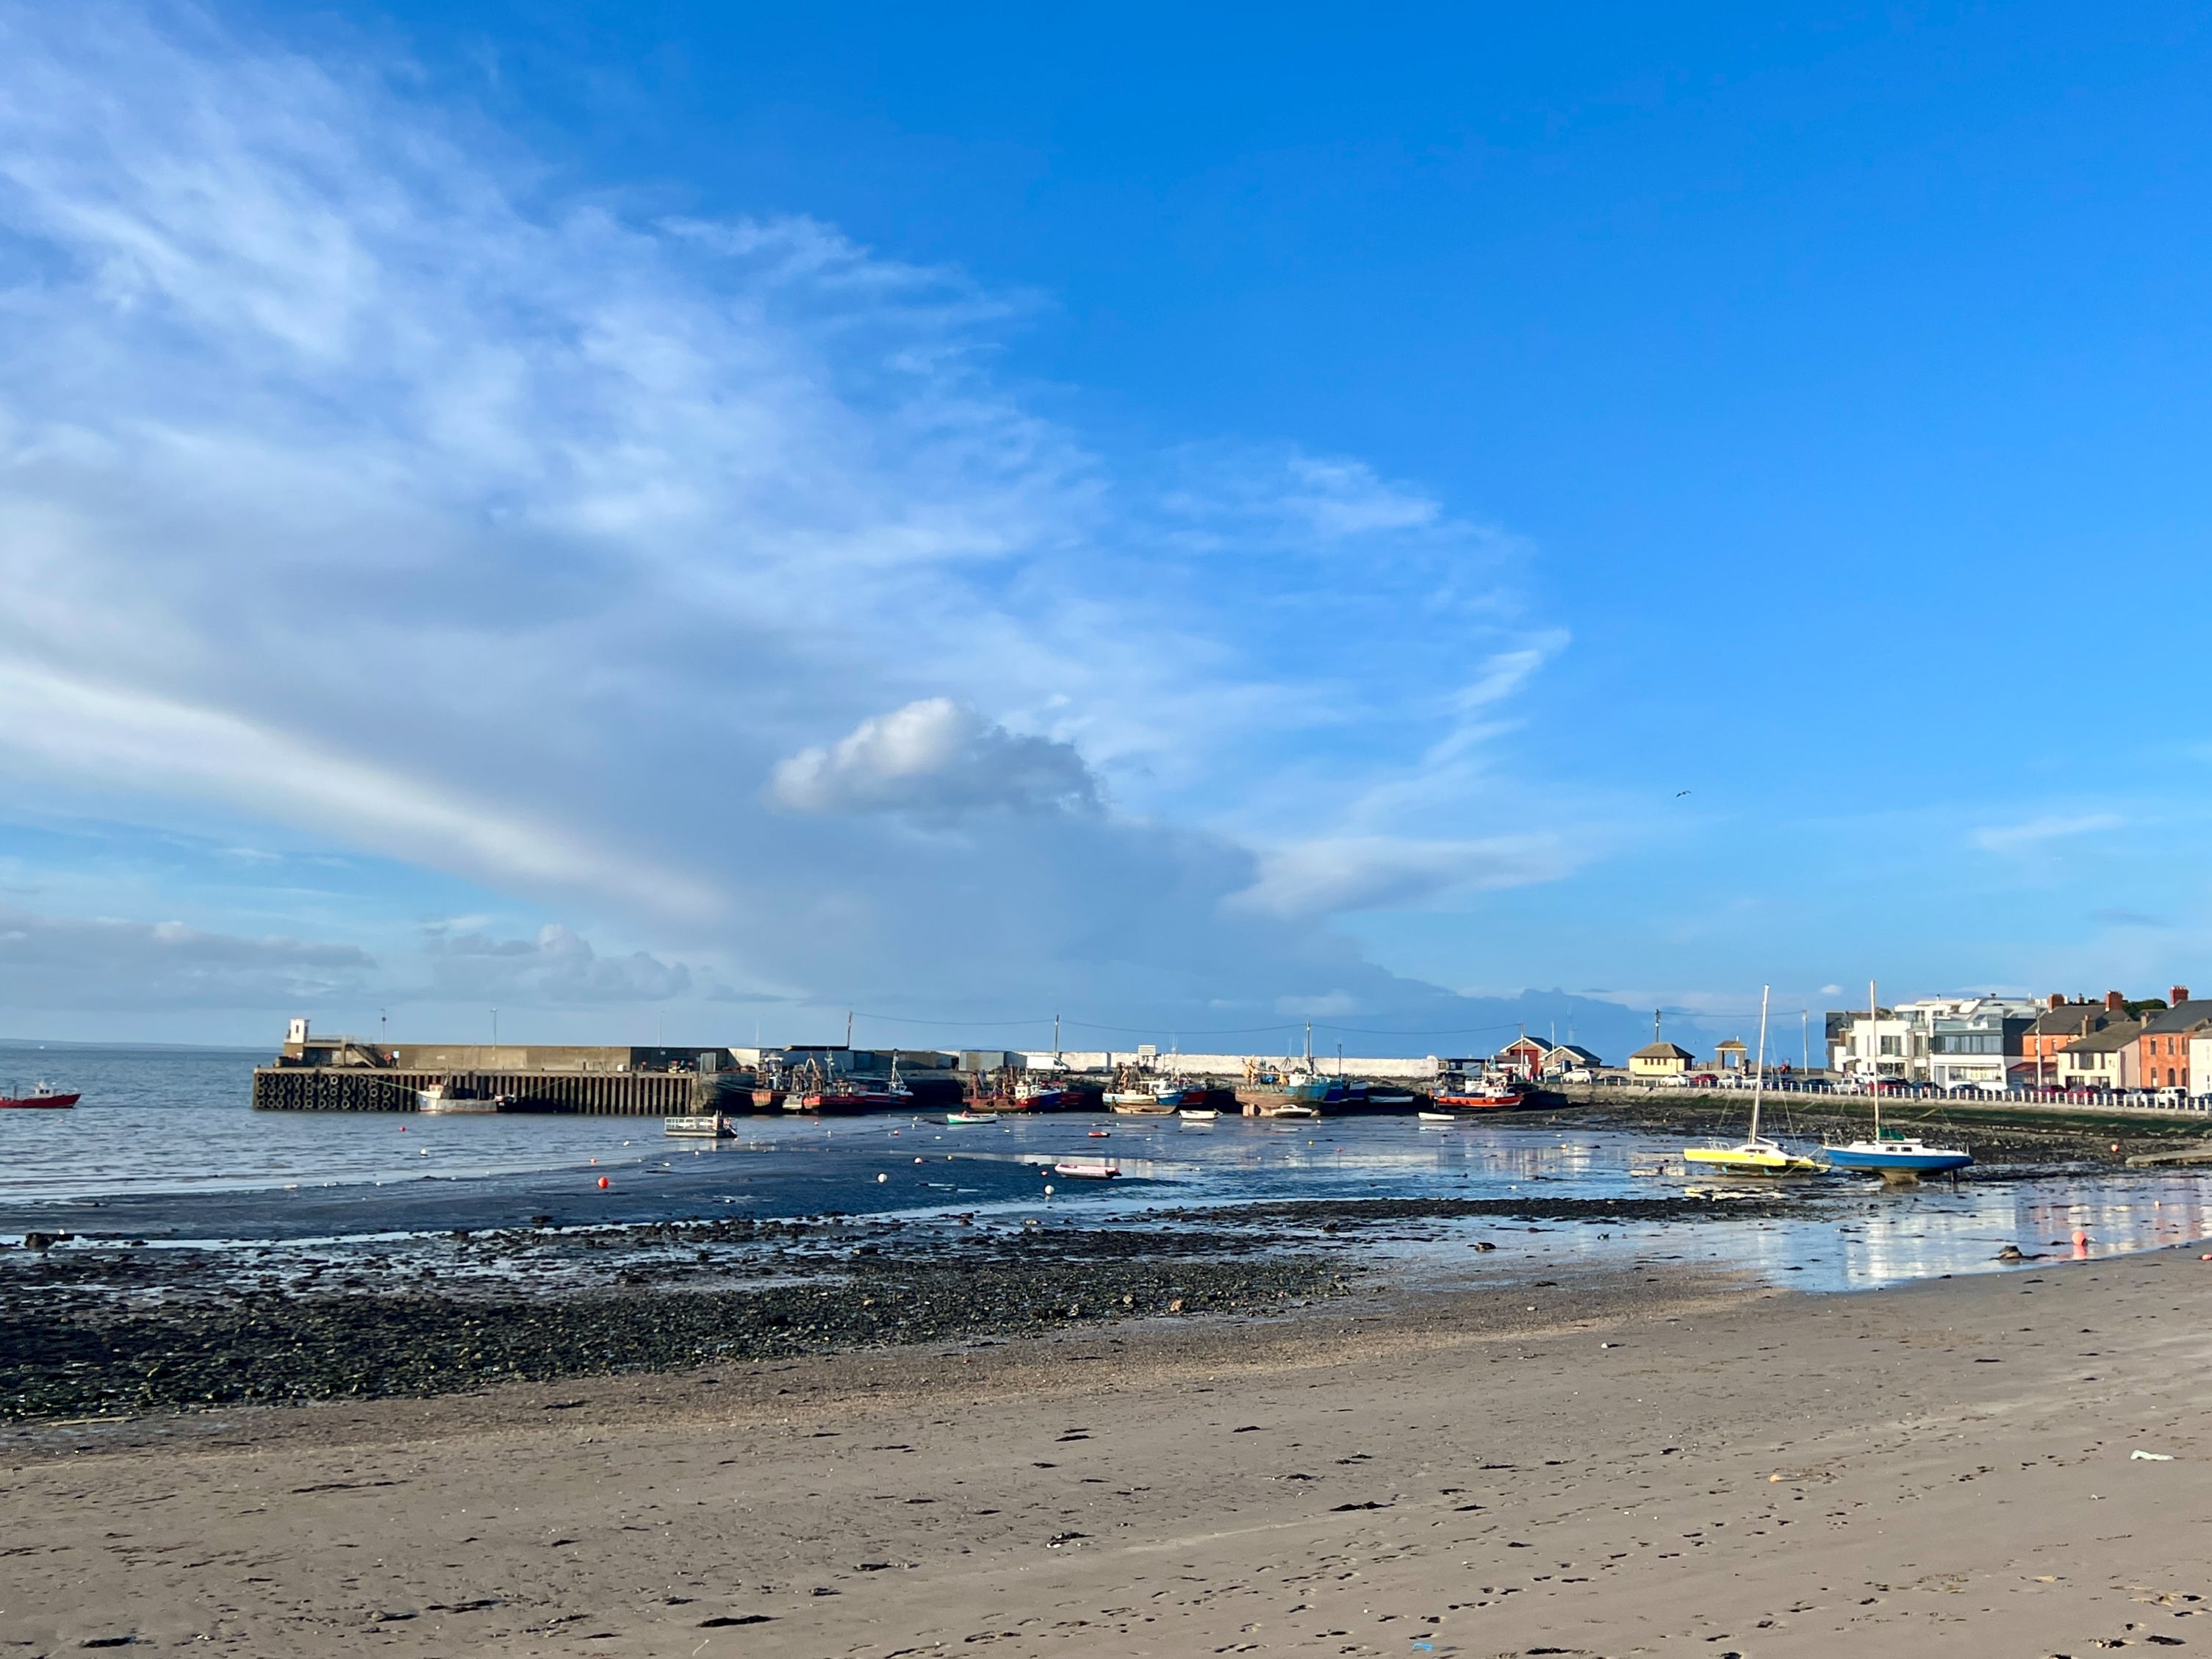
column 166, row 1137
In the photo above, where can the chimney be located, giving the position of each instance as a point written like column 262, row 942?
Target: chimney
column 2057, row 999
column 2179, row 995
column 2114, row 1002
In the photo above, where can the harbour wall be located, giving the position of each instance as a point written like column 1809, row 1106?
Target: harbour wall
column 619, row 1094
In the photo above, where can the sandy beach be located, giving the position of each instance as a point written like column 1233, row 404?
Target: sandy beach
column 1628, row 1462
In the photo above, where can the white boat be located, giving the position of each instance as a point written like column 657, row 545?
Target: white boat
column 1297, row 1108
column 700, row 1126
column 969, row 1117
column 1198, row 1115
column 1439, row 1117
column 1086, row 1169
column 1898, row 1159
column 440, row 1098
column 1756, row 1156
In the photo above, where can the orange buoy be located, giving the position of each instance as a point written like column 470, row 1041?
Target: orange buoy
column 604, row 1183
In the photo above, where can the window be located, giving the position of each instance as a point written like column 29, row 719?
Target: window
column 1892, row 1046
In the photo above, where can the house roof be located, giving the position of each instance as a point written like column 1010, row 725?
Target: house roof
column 1733, row 1042
column 2183, row 1017
column 1663, row 1051
column 2113, row 1038
column 1577, row 1051
column 2073, row 1019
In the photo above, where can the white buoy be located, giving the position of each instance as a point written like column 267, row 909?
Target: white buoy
column 882, row 1177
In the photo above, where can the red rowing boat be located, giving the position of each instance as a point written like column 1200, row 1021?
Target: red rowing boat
column 41, row 1097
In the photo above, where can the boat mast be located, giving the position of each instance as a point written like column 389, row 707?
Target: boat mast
column 1758, row 1078
column 1874, row 1038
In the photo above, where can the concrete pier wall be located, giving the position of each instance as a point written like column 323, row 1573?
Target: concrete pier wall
column 633, row 1094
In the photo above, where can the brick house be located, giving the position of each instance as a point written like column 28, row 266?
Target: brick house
column 2062, row 1024
column 2162, row 1050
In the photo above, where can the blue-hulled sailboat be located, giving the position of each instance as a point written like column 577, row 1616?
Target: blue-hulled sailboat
column 1894, row 1158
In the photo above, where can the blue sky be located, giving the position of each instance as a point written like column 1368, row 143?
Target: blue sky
column 689, row 519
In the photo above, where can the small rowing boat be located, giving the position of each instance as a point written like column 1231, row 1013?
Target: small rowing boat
column 1198, row 1115
column 1086, row 1169
column 1439, row 1117
column 969, row 1117
column 1100, row 1135
column 439, row 1097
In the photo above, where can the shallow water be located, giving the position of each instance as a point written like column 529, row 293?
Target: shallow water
column 166, row 1143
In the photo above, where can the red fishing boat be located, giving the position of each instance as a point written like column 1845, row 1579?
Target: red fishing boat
column 1482, row 1095
column 41, row 1097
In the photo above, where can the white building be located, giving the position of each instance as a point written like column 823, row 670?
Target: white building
column 1950, row 1042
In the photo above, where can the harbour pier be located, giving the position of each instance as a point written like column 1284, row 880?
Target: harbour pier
column 316, row 1073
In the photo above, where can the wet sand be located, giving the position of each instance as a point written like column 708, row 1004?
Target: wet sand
column 1939, row 1467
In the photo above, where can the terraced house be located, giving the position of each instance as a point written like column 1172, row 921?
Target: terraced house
column 2162, row 1051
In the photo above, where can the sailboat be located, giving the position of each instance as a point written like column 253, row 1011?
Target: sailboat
column 1756, row 1156
column 1896, row 1158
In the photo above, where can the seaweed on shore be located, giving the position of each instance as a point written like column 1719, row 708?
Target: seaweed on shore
column 76, row 1360
column 1334, row 1211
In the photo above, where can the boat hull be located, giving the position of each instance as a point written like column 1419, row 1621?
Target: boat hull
column 1504, row 1103
column 1748, row 1161
column 855, row 1100
column 1886, row 1160
column 1087, row 1171
column 708, row 1125
column 40, row 1102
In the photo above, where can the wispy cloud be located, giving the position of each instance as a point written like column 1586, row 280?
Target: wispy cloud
column 2038, row 832
column 673, row 569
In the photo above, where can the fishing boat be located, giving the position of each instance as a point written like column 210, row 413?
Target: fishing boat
column 1086, row 1169
column 1198, row 1115
column 1307, row 1088
column 1898, row 1159
column 1162, row 1097
column 1482, row 1094
column 700, row 1126
column 1291, row 1109
column 1755, row 1156
column 41, row 1098
column 1394, row 1098
column 828, row 1092
column 441, row 1098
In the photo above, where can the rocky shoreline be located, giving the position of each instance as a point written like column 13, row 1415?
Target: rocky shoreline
column 278, row 1348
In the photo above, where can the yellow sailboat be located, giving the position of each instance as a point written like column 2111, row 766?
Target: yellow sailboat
column 1755, row 1156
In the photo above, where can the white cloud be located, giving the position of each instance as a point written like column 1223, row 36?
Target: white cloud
column 82, row 963
column 1373, row 872
column 937, row 757
column 2037, row 832
column 349, row 485
column 558, row 967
